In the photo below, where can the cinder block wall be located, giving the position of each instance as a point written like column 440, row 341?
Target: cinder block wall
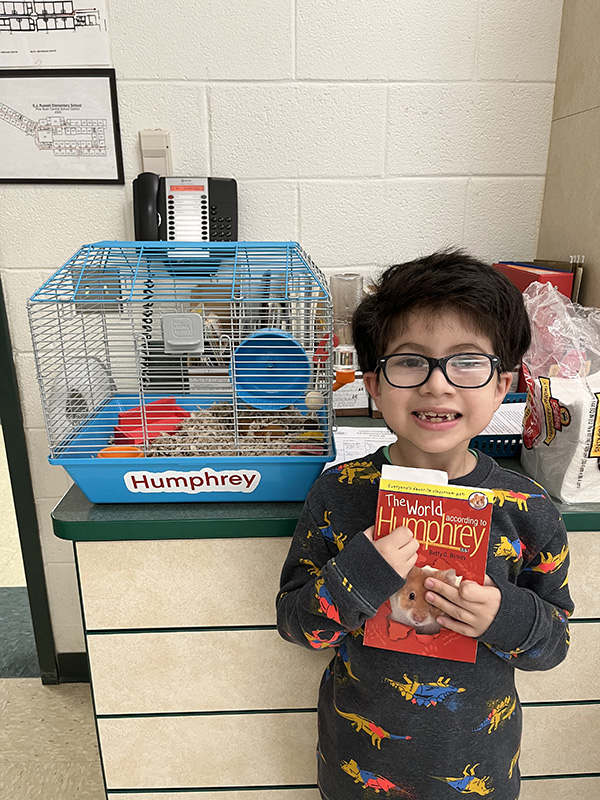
column 369, row 132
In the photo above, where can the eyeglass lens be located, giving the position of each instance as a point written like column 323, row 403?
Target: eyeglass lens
column 464, row 369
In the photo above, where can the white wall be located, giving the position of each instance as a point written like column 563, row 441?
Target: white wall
column 370, row 131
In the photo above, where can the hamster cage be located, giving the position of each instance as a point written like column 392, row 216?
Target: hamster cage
column 178, row 371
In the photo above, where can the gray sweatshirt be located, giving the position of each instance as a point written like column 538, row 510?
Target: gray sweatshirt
column 400, row 725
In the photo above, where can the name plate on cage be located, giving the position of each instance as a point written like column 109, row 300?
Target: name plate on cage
column 202, row 480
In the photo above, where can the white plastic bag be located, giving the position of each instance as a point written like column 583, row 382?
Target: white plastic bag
column 561, row 427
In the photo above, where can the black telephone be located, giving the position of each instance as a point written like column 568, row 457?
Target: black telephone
column 185, row 209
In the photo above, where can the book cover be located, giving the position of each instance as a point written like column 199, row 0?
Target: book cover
column 550, row 263
column 577, row 276
column 575, row 265
column 555, row 266
column 452, row 525
column 522, row 276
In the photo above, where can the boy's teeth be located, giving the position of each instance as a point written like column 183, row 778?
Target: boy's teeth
column 435, row 417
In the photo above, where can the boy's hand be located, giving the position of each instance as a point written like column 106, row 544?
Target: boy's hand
column 470, row 609
column 399, row 548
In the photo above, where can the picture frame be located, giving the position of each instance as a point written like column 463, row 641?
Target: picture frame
column 60, row 126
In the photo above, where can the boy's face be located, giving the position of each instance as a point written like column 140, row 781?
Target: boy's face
column 436, row 421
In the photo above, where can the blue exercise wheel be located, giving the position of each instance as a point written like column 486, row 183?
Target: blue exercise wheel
column 270, row 370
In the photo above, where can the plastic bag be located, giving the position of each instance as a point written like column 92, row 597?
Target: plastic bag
column 561, row 426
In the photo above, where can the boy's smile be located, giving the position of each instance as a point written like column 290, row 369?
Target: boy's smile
column 435, row 422
column 440, row 419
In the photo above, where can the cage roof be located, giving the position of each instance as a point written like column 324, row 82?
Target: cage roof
column 137, row 272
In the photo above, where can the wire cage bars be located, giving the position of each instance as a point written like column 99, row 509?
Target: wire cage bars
column 151, row 352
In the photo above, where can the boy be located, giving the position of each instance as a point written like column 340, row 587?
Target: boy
column 436, row 341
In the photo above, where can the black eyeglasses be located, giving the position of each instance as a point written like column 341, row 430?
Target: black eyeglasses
column 463, row 370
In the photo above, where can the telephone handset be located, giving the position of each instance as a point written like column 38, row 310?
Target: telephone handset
column 184, row 209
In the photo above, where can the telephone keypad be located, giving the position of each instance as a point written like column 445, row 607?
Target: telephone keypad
column 197, row 210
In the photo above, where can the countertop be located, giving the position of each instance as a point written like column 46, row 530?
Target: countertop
column 76, row 518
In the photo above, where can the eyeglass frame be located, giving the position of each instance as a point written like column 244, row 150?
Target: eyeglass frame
column 495, row 364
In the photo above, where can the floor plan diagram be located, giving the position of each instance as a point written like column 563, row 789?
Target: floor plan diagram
column 45, row 15
column 59, row 135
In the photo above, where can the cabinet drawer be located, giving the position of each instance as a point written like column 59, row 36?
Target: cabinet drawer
column 279, row 749
column 584, row 548
column 180, row 583
column 216, row 670
column 204, row 582
column 262, row 794
column 577, row 678
column 556, row 789
column 211, row 750
column 243, row 670
column 560, row 740
column 546, row 789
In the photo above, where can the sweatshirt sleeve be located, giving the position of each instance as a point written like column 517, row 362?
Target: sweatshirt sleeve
column 531, row 628
column 325, row 595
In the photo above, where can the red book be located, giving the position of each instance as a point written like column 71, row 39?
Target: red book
column 452, row 525
column 522, row 276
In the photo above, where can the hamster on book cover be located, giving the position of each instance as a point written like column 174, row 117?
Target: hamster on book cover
column 452, row 526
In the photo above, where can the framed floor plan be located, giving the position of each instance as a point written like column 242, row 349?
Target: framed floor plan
column 54, row 33
column 59, row 126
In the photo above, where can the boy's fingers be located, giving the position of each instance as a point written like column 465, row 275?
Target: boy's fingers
column 450, row 592
column 454, row 625
column 472, row 592
column 468, row 591
column 453, row 610
column 412, row 544
column 398, row 537
column 401, row 536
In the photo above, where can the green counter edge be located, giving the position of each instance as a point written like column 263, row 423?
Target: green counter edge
column 154, row 530
column 242, row 527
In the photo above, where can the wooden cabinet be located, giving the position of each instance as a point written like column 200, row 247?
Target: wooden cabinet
column 195, row 693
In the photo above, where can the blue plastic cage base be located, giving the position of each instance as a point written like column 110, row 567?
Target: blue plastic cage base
column 185, row 480
column 180, row 479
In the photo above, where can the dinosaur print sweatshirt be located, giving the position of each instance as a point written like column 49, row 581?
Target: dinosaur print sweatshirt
column 407, row 726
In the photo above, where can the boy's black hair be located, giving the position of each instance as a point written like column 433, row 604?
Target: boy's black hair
column 448, row 280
